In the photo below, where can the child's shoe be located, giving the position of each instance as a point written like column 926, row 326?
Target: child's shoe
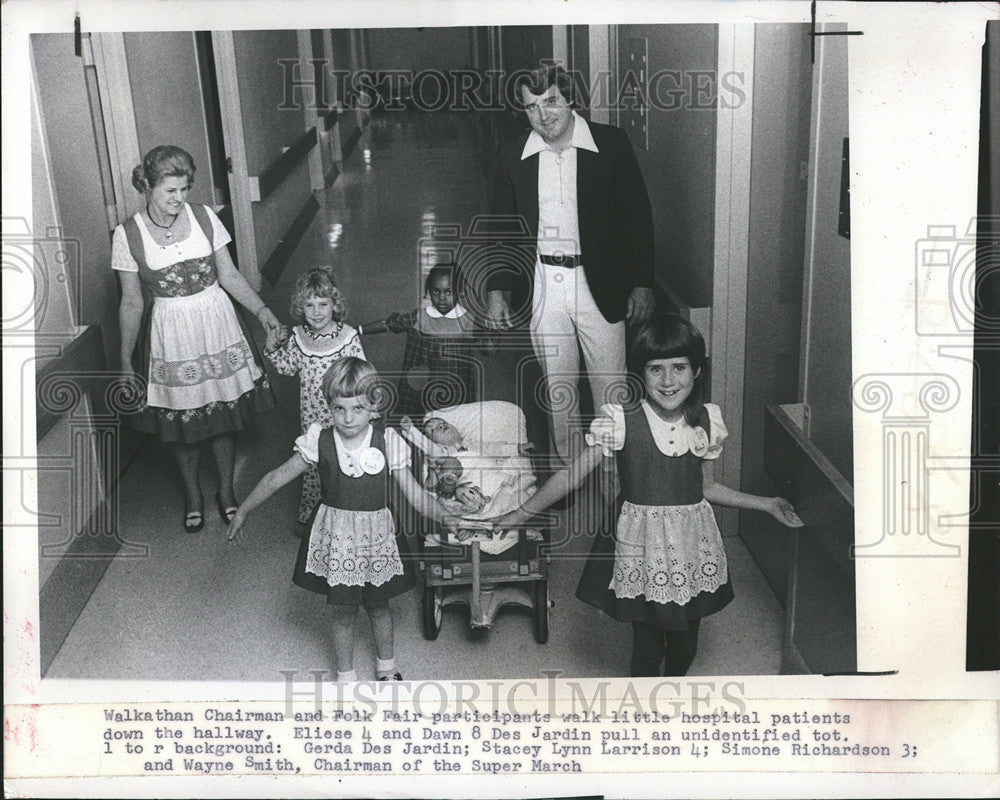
column 385, row 670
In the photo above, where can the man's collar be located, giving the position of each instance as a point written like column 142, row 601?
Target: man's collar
column 583, row 139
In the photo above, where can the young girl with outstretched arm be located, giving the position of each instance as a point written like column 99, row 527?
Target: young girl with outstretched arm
column 440, row 364
column 668, row 568
column 352, row 554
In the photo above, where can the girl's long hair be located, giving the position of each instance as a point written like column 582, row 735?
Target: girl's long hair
column 671, row 336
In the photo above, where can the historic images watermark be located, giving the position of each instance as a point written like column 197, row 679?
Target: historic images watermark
column 949, row 270
column 506, row 701
column 495, row 90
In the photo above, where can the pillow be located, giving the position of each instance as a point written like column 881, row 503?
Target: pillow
column 486, row 421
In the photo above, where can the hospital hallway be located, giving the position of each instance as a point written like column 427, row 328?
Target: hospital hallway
column 177, row 606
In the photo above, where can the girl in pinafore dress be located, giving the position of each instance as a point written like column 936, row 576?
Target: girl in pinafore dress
column 313, row 346
column 352, row 554
column 665, row 567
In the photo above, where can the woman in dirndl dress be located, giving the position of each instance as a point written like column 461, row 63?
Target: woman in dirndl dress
column 203, row 377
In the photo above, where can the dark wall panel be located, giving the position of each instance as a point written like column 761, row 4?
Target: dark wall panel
column 679, row 164
column 524, row 46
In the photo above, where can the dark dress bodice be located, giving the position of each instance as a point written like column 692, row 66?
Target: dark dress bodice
column 339, row 490
column 650, row 478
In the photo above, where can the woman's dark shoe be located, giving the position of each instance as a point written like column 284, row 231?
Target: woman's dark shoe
column 226, row 512
column 194, row 521
column 394, row 677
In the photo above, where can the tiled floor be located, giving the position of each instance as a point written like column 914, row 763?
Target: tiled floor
column 199, row 608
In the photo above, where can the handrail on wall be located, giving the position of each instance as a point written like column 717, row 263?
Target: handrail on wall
column 263, row 185
column 820, row 613
column 330, row 118
column 834, row 480
column 80, row 369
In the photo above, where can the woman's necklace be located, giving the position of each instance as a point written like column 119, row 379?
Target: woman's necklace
column 167, row 228
column 331, row 335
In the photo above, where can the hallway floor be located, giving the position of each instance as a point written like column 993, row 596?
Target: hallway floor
column 199, row 608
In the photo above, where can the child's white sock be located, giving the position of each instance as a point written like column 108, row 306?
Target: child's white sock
column 347, row 677
column 385, row 667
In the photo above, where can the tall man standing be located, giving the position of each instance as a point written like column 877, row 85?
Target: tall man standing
column 577, row 186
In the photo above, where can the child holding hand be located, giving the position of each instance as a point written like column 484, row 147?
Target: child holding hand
column 315, row 344
column 352, row 554
column 440, row 365
column 668, row 569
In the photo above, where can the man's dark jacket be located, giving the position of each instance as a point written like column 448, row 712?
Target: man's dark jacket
column 614, row 214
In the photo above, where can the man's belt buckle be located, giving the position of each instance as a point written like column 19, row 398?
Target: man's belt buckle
column 559, row 260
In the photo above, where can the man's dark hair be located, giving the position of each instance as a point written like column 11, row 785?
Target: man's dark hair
column 539, row 80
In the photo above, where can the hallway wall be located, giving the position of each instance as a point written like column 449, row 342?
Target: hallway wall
column 782, row 83
column 57, row 317
column 170, row 111
column 75, row 170
column 827, row 331
column 268, row 129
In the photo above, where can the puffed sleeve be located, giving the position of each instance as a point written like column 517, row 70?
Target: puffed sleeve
column 220, row 236
column 718, row 431
column 608, row 429
column 121, row 256
column 353, row 347
column 307, row 445
column 286, row 357
column 397, row 451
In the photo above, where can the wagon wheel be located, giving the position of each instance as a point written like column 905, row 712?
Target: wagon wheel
column 432, row 611
column 541, row 610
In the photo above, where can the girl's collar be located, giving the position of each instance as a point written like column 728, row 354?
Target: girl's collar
column 365, row 441
column 700, row 417
column 321, row 346
column 653, row 414
column 456, row 312
column 316, row 337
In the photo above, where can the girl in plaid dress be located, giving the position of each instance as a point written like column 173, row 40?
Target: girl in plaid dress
column 440, row 366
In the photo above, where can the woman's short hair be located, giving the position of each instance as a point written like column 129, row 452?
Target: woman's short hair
column 317, row 282
column 352, row 377
column 163, row 161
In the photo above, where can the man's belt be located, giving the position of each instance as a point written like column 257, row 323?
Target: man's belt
column 569, row 262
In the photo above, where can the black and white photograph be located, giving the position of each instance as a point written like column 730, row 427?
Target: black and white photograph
column 390, row 358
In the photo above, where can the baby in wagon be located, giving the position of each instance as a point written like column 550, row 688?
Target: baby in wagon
column 465, row 478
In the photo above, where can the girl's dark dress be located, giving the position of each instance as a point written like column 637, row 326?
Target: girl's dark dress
column 665, row 564
column 440, row 365
column 352, row 554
